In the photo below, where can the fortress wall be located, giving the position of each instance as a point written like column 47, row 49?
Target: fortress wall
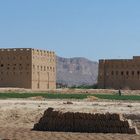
column 119, row 73
column 15, row 68
column 27, row 68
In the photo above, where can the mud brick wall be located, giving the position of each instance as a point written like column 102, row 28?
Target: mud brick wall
column 54, row 120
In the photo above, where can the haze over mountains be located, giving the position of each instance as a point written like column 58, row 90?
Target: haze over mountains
column 76, row 71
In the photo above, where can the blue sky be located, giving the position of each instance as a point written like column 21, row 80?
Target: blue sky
column 95, row 29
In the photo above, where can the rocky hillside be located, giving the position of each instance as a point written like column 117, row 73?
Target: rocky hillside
column 76, row 71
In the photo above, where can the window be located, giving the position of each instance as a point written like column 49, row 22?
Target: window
column 37, row 67
column 20, row 66
column 37, row 85
column 132, row 72
column 112, row 72
column 2, row 65
column 122, row 73
column 138, row 72
column 127, row 73
column 44, row 68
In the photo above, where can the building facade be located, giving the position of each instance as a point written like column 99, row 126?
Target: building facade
column 119, row 73
column 27, row 68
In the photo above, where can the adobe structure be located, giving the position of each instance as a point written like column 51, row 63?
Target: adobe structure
column 27, row 68
column 119, row 73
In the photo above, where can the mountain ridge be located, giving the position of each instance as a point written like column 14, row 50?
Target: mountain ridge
column 76, row 71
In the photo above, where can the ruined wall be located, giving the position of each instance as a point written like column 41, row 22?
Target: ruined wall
column 43, row 69
column 15, row 68
column 123, row 73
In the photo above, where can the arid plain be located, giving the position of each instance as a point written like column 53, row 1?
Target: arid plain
column 18, row 116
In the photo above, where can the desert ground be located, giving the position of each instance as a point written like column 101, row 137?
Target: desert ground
column 18, row 116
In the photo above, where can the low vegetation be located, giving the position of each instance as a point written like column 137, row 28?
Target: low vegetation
column 69, row 96
column 95, row 86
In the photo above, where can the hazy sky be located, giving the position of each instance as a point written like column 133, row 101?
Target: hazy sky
column 73, row 28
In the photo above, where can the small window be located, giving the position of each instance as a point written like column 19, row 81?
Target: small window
column 37, row 85
column 44, row 68
column 122, row 73
column 138, row 72
column 112, row 72
column 127, row 73
column 132, row 72
column 2, row 65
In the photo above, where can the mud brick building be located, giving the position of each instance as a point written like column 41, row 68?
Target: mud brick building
column 27, row 68
column 119, row 73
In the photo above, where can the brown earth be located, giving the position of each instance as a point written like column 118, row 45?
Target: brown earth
column 17, row 118
column 68, row 90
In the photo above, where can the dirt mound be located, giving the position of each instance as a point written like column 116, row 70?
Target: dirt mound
column 55, row 120
column 91, row 98
column 40, row 98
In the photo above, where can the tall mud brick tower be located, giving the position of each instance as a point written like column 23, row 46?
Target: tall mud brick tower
column 27, row 68
column 119, row 73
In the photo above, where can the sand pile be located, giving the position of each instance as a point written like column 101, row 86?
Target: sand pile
column 56, row 120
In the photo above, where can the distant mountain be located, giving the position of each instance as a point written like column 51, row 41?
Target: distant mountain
column 76, row 71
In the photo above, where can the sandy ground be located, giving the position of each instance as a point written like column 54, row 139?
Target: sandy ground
column 17, row 118
column 67, row 90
